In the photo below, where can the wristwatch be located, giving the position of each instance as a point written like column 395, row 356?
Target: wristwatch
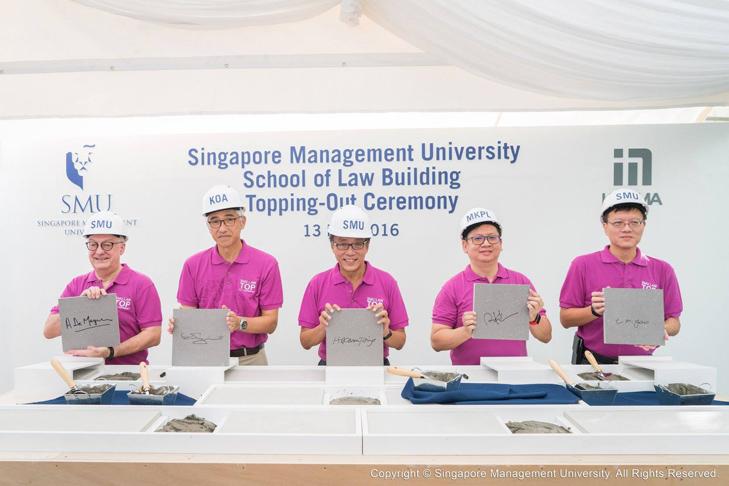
column 243, row 324
column 387, row 336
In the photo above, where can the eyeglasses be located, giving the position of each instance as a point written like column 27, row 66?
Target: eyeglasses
column 480, row 239
column 632, row 223
column 105, row 245
column 346, row 246
column 215, row 223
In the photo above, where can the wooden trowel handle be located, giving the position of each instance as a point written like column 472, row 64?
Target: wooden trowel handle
column 394, row 370
column 63, row 373
column 591, row 359
column 558, row 369
column 144, row 373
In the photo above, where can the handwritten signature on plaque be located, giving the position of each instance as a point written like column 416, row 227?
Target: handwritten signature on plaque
column 497, row 317
column 86, row 323
column 359, row 341
column 198, row 338
column 636, row 323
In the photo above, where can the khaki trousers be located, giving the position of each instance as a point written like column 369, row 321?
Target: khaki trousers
column 258, row 359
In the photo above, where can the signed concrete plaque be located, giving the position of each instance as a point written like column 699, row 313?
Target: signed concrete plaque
column 501, row 311
column 354, row 338
column 88, row 322
column 634, row 316
column 200, row 338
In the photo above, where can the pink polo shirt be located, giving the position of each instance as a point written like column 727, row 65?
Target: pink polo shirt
column 330, row 287
column 137, row 304
column 595, row 271
column 456, row 297
column 247, row 286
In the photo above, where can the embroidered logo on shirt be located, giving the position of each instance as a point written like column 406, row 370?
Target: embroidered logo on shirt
column 124, row 302
column 248, row 286
column 373, row 301
column 648, row 285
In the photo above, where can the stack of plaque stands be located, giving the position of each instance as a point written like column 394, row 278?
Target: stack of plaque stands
column 39, row 381
column 273, row 374
column 636, row 379
column 663, row 370
column 476, row 374
column 482, row 430
column 519, row 370
column 294, row 394
column 195, row 380
column 117, row 429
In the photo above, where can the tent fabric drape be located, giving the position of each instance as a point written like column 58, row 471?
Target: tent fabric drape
column 599, row 49
column 613, row 50
column 215, row 13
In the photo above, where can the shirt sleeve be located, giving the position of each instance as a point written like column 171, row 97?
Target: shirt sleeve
column 672, row 302
column 572, row 294
column 309, row 310
column 148, row 308
column 271, row 296
column 397, row 313
column 71, row 290
column 444, row 309
column 186, row 294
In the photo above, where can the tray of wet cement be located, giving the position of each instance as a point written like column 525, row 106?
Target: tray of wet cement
column 90, row 395
column 354, row 400
column 683, row 394
column 157, row 395
column 536, row 427
column 191, row 423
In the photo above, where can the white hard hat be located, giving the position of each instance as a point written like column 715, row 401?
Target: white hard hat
column 623, row 195
column 478, row 215
column 350, row 222
column 221, row 197
column 105, row 223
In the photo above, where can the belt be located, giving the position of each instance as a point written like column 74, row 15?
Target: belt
column 237, row 353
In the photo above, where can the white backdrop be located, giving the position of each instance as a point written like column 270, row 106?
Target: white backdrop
column 548, row 200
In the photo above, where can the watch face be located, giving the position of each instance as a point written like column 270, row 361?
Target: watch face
column 243, row 324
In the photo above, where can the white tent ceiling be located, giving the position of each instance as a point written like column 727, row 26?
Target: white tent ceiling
column 99, row 58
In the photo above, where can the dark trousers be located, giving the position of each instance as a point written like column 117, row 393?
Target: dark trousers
column 578, row 354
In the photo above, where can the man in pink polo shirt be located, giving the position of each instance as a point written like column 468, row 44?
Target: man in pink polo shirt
column 619, row 265
column 233, row 275
column 353, row 283
column 453, row 318
column 137, row 301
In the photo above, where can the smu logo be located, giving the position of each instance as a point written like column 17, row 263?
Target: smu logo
column 124, row 303
column 373, row 301
column 77, row 167
column 248, row 286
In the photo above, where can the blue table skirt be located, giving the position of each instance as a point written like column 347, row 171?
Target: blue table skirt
column 119, row 398
column 492, row 394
